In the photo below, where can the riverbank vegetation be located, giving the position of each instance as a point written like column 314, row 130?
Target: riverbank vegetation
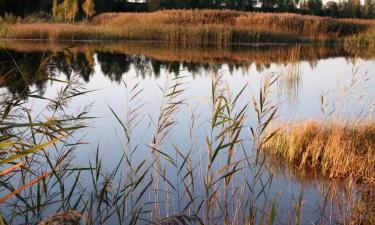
column 338, row 150
column 189, row 182
column 70, row 10
column 199, row 27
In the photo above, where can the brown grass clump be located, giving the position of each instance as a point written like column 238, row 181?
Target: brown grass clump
column 338, row 150
column 220, row 27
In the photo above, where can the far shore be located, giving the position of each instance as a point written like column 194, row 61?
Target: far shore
column 197, row 27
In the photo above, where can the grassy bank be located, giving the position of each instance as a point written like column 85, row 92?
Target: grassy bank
column 338, row 150
column 221, row 27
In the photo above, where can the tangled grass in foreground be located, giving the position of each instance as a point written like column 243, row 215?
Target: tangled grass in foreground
column 338, row 150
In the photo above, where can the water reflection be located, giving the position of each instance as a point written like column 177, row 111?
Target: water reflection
column 106, row 65
column 116, row 59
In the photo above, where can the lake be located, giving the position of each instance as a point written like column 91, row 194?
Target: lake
column 163, row 95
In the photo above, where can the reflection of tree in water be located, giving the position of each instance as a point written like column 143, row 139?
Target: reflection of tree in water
column 156, row 66
column 174, row 67
column 18, row 79
column 192, row 67
column 78, row 63
column 18, row 71
column 261, row 67
column 81, row 65
column 114, row 66
column 142, row 66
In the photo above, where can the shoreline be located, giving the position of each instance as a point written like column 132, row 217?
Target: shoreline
column 199, row 27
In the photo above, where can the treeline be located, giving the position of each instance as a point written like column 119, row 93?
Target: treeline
column 341, row 9
column 73, row 10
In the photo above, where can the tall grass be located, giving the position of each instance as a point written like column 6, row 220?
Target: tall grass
column 201, row 189
column 225, row 180
column 337, row 147
column 338, row 150
column 199, row 27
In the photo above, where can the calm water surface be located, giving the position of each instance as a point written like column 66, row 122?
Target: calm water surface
column 306, row 73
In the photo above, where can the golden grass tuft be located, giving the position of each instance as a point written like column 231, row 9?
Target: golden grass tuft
column 338, row 150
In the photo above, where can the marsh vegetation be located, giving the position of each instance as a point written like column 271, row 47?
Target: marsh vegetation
column 108, row 135
column 196, row 27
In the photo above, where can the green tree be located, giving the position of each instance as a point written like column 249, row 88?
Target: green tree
column 286, row 5
column 88, row 8
column 314, row 7
column 153, row 5
column 331, row 9
column 268, row 5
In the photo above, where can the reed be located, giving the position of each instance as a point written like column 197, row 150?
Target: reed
column 224, row 180
column 199, row 188
column 338, row 150
column 199, row 27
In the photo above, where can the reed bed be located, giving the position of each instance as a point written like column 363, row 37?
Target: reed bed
column 222, row 180
column 202, row 191
column 338, row 150
column 220, row 27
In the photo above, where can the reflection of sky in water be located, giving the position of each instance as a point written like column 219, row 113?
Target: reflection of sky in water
column 323, row 76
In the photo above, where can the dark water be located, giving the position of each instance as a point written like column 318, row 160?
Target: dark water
column 306, row 73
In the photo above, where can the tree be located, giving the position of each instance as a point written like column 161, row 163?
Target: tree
column 66, row 11
column 153, row 5
column 66, row 6
column 55, row 10
column 331, row 9
column 369, row 9
column 314, row 7
column 88, row 8
column 268, row 5
column 74, row 8
column 247, row 5
column 58, row 11
column 286, row 5
column 356, row 10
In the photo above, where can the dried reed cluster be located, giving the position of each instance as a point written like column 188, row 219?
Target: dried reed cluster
column 195, row 27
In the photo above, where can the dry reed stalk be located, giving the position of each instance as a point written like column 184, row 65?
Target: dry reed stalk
column 23, row 187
